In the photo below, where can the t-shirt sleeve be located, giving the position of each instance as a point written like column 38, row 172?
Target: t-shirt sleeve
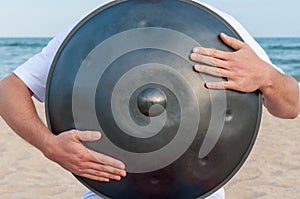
column 34, row 72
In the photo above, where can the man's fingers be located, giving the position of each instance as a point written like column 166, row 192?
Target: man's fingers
column 107, row 169
column 216, row 85
column 102, row 174
column 211, row 52
column 222, row 85
column 219, row 72
column 232, row 42
column 107, row 160
column 208, row 60
column 88, row 135
column 97, row 178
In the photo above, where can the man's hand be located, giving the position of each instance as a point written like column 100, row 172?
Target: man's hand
column 17, row 109
column 244, row 70
column 68, row 151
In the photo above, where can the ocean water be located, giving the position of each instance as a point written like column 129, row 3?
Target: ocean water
column 284, row 53
column 15, row 51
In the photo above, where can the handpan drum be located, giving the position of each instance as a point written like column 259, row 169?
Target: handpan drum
column 125, row 71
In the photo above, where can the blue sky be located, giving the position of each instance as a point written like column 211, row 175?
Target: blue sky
column 21, row 18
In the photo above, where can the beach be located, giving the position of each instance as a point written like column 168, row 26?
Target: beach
column 272, row 170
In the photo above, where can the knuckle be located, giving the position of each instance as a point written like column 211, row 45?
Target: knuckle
column 219, row 72
column 229, row 55
column 213, row 62
column 214, row 53
column 227, row 65
column 99, row 174
column 73, row 134
column 233, row 65
column 76, row 169
column 80, row 171
column 82, row 158
column 227, row 85
column 101, row 167
column 80, row 165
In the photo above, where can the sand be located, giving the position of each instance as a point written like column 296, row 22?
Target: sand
column 271, row 171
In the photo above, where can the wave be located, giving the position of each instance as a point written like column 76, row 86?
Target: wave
column 286, row 61
column 281, row 47
column 22, row 44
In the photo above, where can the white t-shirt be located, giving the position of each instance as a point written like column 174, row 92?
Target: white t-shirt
column 34, row 72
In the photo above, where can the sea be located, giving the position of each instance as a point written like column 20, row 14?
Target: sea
column 283, row 52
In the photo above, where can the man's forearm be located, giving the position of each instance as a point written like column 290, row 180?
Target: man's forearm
column 281, row 95
column 18, row 110
column 66, row 149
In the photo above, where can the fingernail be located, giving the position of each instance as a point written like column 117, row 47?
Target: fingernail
column 196, row 49
column 117, row 177
column 197, row 67
column 123, row 173
column 122, row 166
column 208, row 85
column 96, row 135
column 193, row 55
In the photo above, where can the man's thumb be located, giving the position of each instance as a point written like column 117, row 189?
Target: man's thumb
column 88, row 135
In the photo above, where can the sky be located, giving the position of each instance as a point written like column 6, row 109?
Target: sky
column 45, row 18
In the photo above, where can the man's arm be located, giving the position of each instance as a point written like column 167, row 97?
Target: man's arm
column 246, row 72
column 17, row 109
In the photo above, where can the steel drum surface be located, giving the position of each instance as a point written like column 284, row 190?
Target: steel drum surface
column 125, row 71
